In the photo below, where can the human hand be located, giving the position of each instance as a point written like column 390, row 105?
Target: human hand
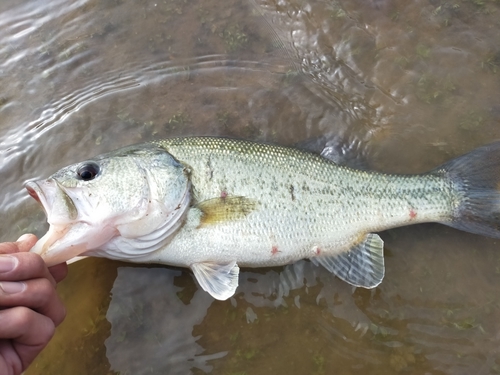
column 30, row 308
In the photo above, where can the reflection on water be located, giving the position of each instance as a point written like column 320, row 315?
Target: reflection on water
column 302, row 314
column 151, row 326
column 388, row 85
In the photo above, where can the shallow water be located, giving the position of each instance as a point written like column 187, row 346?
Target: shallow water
column 394, row 86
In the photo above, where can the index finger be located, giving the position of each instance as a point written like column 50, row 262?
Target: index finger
column 8, row 248
column 24, row 266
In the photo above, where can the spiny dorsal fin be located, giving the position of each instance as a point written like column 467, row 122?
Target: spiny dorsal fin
column 230, row 208
column 362, row 265
column 218, row 279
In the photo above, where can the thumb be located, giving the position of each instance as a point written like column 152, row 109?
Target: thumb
column 26, row 242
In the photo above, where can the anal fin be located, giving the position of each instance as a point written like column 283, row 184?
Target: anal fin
column 362, row 265
column 219, row 280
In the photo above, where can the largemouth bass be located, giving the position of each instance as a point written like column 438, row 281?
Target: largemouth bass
column 215, row 204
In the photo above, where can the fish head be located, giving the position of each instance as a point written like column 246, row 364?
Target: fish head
column 120, row 205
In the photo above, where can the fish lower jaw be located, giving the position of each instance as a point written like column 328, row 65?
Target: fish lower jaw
column 54, row 233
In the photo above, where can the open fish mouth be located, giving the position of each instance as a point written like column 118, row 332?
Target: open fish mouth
column 61, row 215
column 34, row 191
column 57, row 204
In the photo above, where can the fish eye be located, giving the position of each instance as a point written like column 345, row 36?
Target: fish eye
column 88, row 171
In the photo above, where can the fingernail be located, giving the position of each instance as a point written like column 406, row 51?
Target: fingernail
column 7, row 263
column 12, row 287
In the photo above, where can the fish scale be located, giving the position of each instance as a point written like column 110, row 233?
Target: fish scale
column 331, row 204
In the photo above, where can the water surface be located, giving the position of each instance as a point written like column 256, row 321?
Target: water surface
column 393, row 86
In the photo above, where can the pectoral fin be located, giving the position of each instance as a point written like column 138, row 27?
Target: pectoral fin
column 218, row 210
column 220, row 280
column 362, row 265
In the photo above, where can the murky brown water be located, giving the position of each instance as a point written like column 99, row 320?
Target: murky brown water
column 402, row 86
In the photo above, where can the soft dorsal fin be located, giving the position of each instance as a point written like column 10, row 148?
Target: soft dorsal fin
column 362, row 265
column 218, row 279
column 228, row 208
column 350, row 153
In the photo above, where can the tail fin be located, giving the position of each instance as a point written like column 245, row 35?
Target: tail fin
column 476, row 175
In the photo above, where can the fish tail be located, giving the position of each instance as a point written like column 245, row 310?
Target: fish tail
column 476, row 176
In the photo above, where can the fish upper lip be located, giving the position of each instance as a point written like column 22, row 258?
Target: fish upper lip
column 35, row 191
column 30, row 186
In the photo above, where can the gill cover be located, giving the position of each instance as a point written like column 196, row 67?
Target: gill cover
column 120, row 205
